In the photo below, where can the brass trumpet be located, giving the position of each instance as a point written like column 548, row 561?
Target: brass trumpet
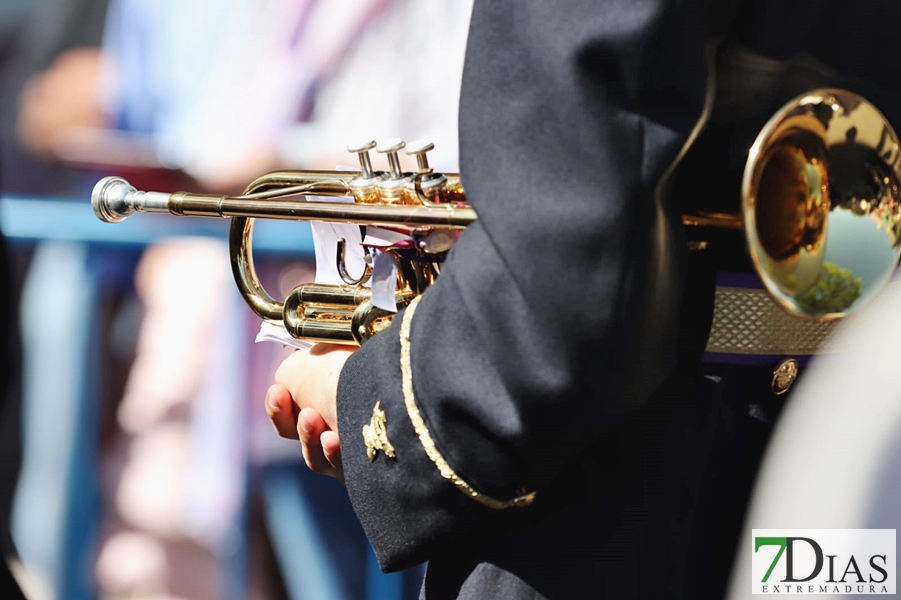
column 819, row 208
column 423, row 204
column 819, row 204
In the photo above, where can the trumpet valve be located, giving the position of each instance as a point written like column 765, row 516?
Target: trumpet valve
column 419, row 148
column 361, row 149
column 365, row 187
column 431, row 184
column 393, row 184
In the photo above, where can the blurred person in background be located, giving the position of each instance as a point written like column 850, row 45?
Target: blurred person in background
column 224, row 92
column 10, row 416
column 210, row 95
column 48, row 84
column 34, row 36
column 12, row 14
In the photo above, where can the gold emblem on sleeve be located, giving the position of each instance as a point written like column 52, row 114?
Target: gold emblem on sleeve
column 375, row 435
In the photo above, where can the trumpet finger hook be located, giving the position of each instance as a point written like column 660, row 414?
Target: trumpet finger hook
column 342, row 265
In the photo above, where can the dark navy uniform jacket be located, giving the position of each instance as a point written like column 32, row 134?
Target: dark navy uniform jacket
column 560, row 350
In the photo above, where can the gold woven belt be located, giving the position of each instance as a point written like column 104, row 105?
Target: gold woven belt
column 748, row 323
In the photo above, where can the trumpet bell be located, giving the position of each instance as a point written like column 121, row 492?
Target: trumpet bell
column 820, row 204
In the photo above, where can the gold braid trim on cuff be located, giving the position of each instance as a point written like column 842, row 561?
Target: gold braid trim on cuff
column 423, row 432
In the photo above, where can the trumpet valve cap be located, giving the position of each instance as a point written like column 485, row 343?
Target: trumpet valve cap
column 361, row 148
column 418, row 149
column 390, row 146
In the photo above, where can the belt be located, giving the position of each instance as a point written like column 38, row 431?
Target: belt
column 750, row 328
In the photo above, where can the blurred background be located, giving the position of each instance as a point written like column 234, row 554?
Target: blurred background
column 138, row 459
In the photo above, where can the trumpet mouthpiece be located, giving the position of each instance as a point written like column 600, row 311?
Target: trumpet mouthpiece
column 110, row 199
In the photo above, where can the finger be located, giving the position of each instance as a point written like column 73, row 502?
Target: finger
column 322, row 349
column 282, row 411
column 310, row 427
column 331, row 447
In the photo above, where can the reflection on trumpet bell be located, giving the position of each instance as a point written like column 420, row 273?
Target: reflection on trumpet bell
column 834, row 290
column 791, row 208
column 820, row 204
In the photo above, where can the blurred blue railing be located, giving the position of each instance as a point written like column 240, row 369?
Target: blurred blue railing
column 32, row 219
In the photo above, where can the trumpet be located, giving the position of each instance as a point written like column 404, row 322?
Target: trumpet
column 819, row 209
column 820, row 205
column 430, row 207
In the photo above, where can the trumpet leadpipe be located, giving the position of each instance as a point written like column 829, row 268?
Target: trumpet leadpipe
column 114, row 199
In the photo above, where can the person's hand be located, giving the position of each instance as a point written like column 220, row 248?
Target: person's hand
column 60, row 100
column 302, row 404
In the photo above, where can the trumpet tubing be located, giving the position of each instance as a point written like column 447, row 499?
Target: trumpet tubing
column 270, row 197
column 420, row 204
column 819, row 208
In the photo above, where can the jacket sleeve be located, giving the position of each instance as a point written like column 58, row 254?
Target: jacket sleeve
column 554, row 316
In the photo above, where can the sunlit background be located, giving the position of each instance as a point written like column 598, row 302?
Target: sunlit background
column 138, row 461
